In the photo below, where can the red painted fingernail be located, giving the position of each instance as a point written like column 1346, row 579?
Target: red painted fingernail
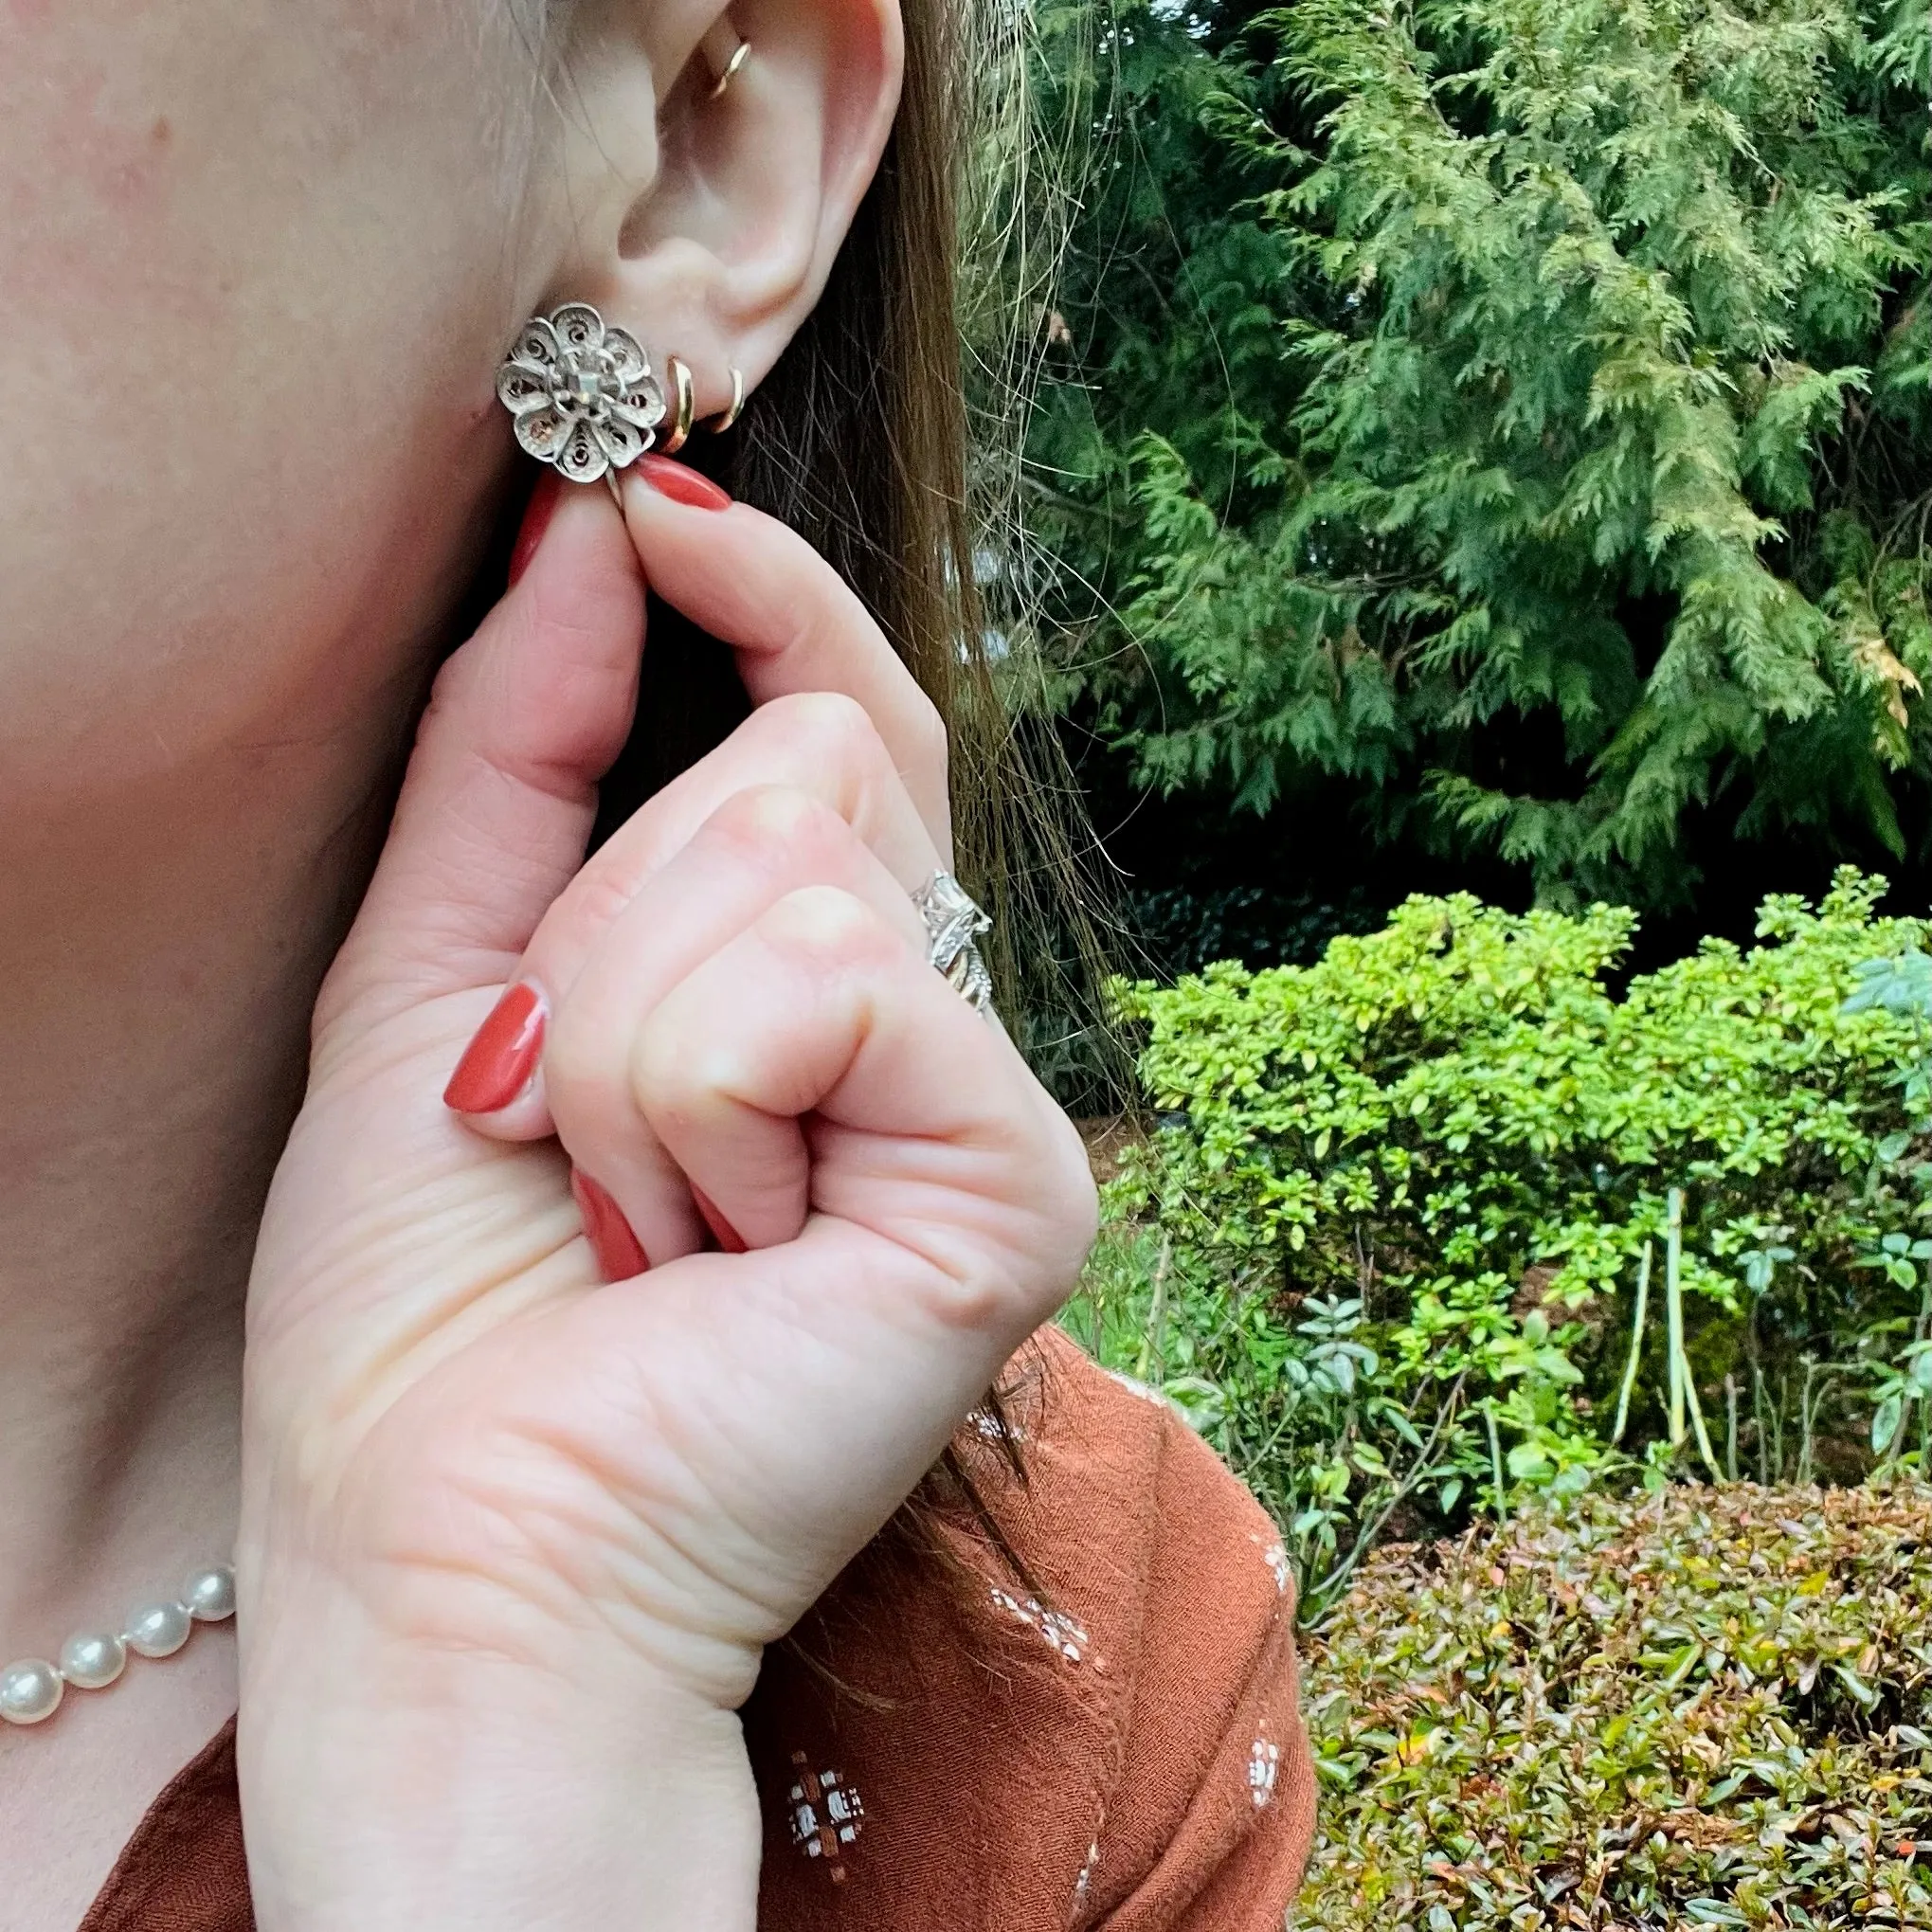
column 722, row 1231
column 542, row 506
column 498, row 1064
column 619, row 1251
column 681, row 484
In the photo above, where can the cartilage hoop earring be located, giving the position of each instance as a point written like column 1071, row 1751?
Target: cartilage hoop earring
column 717, row 425
column 723, row 65
column 679, row 433
column 581, row 394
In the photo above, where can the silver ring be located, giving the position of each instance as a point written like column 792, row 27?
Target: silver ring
column 952, row 923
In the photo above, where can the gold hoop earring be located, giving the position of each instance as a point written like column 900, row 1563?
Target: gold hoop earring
column 680, row 418
column 717, row 425
column 723, row 67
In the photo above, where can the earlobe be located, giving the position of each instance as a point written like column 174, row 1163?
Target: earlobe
column 718, row 253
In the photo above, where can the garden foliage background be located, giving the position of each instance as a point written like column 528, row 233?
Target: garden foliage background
column 1472, row 550
column 1499, row 426
column 1499, row 433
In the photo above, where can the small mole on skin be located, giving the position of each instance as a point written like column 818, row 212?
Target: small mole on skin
column 162, row 132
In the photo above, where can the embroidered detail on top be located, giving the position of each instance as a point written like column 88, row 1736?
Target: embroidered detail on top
column 827, row 1813
column 1086, row 1875
column 1264, row 1763
column 1066, row 1637
column 1276, row 1558
column 993, row 1429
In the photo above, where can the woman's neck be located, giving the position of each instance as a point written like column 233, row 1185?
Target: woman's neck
column 159, row 950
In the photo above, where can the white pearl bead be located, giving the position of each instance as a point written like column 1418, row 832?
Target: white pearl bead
column 92, row 1663
column 210, row 1597
column 30, row 1691
column 158, row 1630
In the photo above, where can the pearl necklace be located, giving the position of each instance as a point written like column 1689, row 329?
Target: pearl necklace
column 32, row 1689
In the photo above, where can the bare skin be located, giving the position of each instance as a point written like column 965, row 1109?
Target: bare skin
column 174, row 796
column 257, row 268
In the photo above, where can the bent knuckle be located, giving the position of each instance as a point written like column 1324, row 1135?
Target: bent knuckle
column 678, row 1071
column 595, row 900
column 665, row 1068
column 836, row 729
column 1069, row 1195
column 827, row 928
column 1082, row 1216
column 778, row 823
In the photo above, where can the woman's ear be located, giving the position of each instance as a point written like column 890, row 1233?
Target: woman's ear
column 707, row 221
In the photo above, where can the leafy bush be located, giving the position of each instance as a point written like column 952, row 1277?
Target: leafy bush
column 1710, row 1710
column 1403, row 1213
column 1514, row 414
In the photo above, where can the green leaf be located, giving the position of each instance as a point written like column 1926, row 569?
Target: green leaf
column 1861, row 1691
column 1885, row 1424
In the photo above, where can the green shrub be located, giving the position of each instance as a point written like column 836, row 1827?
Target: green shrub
column 1706, row 1710
column 1386, row 1239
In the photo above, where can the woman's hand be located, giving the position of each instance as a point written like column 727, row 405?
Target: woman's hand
column 517, row 1530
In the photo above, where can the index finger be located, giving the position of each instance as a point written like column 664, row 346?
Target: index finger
column 793, row 621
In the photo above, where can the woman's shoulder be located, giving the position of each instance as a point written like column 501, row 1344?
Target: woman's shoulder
column 1091, row 1718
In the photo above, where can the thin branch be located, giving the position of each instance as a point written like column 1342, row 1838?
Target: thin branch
column 1419, row 1471
column 1636, row 1345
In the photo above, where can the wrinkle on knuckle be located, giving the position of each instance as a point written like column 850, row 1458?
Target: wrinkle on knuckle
column 600, row 896
column 971, row 1302
column 821, row 624
column 590, row 614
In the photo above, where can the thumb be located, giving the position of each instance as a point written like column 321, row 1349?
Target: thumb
column 501, row 789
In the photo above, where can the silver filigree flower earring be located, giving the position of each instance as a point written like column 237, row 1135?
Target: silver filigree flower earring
column 582, row 393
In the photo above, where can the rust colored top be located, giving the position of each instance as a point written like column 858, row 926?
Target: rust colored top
column 942, row 1751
